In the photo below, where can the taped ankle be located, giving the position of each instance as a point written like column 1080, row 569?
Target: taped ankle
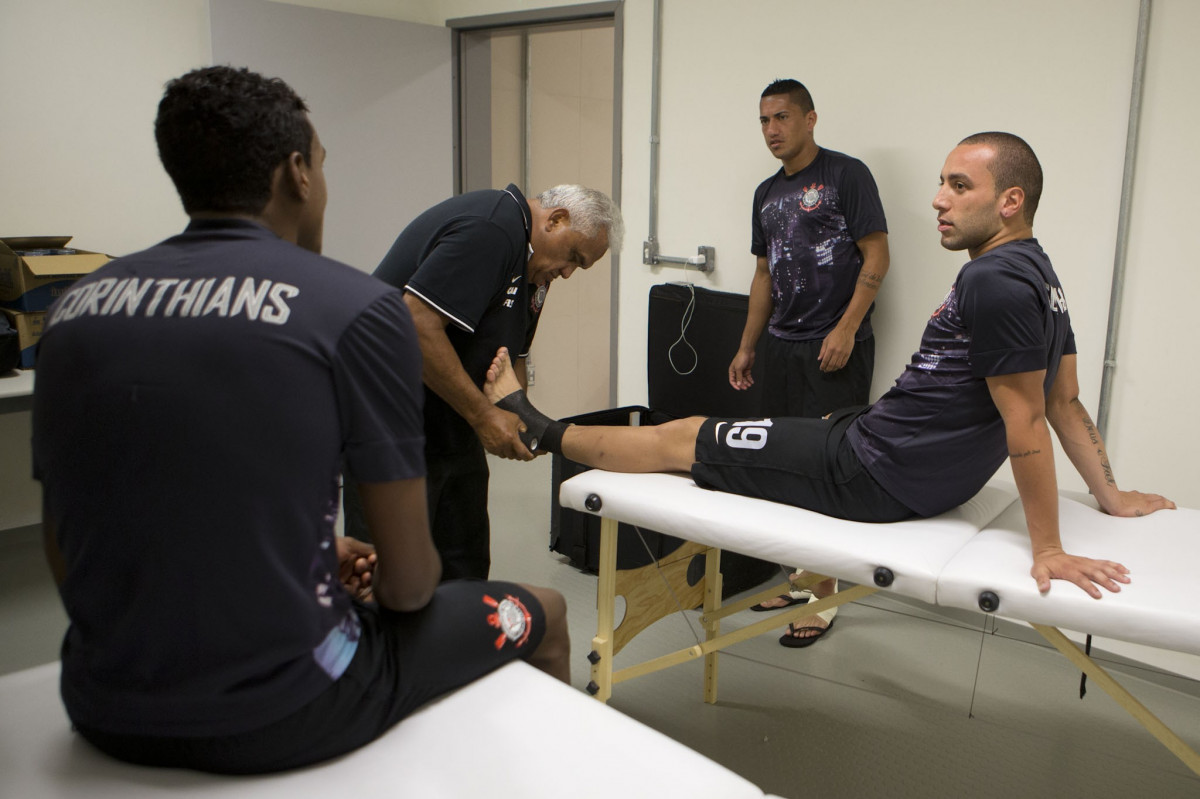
column 541, row 432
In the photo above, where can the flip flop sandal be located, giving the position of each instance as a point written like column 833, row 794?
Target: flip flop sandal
column 790, row 640
column 793, row 598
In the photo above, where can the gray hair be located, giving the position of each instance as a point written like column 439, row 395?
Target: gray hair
column 590, row 211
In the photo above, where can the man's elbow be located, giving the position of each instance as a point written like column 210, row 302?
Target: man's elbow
column 405, row 599
column 408, row 591
column 404, row 602
column 1060, row 409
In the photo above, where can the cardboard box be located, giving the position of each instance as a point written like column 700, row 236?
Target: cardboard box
column 29, row 328
column 36, row 270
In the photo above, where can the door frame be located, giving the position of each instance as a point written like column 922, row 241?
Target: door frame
column 467, row 149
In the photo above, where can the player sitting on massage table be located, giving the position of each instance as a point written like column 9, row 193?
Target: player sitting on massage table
column 218, row 623
column 995, row 364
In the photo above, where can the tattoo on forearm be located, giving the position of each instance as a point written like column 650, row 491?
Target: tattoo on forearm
column 1025, row 454
column 1094, row 436
column 1087, row 422
column 871, row 280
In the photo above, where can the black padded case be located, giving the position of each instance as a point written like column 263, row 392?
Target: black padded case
column 689, row 347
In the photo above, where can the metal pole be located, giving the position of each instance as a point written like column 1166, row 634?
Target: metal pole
column 1122, row 246
column 655, row 79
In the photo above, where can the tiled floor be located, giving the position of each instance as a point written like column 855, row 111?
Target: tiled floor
column 898, row 701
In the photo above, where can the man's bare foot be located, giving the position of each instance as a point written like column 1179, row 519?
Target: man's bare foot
column 505, row 392
column 501, row 378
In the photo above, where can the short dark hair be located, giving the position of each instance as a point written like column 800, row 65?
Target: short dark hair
column 795, row 91
column 222, row 131
column 1014, row 164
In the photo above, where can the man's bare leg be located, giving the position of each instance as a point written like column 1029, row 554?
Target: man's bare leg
column 553, row 654
column 669, row 447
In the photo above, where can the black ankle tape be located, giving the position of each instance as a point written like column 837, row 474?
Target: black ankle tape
column 541, row 432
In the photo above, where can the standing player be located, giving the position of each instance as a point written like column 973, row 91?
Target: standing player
column 820, row 237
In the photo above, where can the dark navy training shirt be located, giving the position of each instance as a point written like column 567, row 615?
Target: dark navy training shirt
column 936, row 436
column 193, row 407
column 807, row 226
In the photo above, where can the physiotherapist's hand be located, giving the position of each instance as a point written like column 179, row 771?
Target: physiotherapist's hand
column 739, row 370
column 836, row 349
column 500, row 432
column 1087, row 573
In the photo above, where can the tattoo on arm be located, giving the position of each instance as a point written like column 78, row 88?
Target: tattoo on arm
column 1094, row 436
column 1024, row 454
column 871, row 280
column 1087, row 421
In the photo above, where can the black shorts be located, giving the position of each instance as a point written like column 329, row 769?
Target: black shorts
column 794, row 385
column 404, row 660
column 808, row 463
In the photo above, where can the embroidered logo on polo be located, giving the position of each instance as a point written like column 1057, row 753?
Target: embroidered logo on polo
column 512, row 291
column 810, row 198
column 539, row 298
column 511, row 618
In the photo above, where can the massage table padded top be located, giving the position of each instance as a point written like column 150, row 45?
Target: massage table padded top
column 1162, row 552
column 914, row 551
column 514, row 734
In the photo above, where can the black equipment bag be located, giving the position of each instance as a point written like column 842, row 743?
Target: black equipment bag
column 690, row 344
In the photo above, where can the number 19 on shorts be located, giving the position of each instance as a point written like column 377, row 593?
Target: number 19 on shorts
column 750, row 434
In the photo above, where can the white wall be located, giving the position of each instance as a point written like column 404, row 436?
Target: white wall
column 80, row 84
column 380, row 95
column 895, row 83
column 1151, row 435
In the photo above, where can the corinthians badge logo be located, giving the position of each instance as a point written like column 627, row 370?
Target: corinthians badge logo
column 539, row 298
column 511, row 618
column 810, row 199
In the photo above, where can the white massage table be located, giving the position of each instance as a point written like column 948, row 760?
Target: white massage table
column 975, row 557
column 515, row 734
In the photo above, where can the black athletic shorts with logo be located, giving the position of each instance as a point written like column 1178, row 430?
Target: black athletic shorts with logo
column 808, row 463
column 403, row 660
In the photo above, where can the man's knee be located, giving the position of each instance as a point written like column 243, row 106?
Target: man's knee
column 676, row 440
column 554, row 607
